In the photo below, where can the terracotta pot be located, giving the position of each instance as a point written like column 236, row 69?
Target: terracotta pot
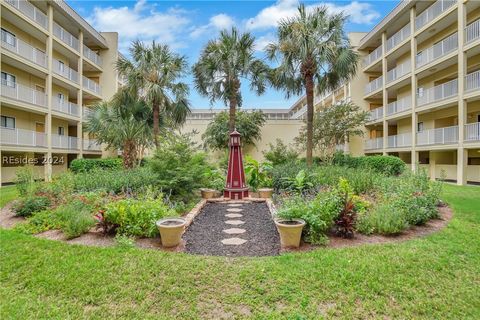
column 253, row 194
column 171, row 230
column 290, row 232
column 265, row 193
column 208, row 193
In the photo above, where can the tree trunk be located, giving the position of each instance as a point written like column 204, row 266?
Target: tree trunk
column 233, row 109
column 129, row 154
column 156, row 121
column 309, row 91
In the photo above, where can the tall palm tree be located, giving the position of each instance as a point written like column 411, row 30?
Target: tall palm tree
column 313, row 51
column 223, row 63
column 123, row 123
column 153, row 74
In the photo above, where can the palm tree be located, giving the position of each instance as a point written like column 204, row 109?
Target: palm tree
column 153, row 74
column 123, row 123
column 223, row 63
column 313, row 51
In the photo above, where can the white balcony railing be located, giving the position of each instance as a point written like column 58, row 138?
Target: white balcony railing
column 92, row 56
column 23, row 93
column 30, row 11
column 92, row 145
column 440, row 49
column 21, row 137
column 472, row 81
column 472, row 131
column 373, row 56
column 432, row 12
column 472, row 31
column 65, row 107
column 65, row 36
column 24, row 50
column 372, row 144
column 300, row 113
column 437, row 93
column 64, row 142
column 400, row 140
column 398, row 106
column 376, row 114
column 447, row 135
column 64, row 71
column 374, row 85
column 91, row 85
column 398, row 37
column 399, row 71
column 86, row 112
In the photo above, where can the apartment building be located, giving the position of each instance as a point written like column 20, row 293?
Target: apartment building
column 54, row 65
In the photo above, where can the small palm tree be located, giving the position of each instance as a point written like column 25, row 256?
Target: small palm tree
column 124, row 123
column 313, row 51
column 223, row 63
column 153, row 74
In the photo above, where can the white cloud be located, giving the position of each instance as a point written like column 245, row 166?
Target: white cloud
column 263, row 41
column 142, row 22
column 218, row 22
column 359, row 12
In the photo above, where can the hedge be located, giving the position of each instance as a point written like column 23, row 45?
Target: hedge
column 86, row 165
column 389, row 165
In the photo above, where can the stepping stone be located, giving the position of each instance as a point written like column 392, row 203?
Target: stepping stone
column 233, row 241
column 234, row 215
column 234, row 231
column 235, row 205
column 234, row 222
column 234, row 210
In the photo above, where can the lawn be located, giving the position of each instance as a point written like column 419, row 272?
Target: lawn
column 434, row 277
column 7, row 194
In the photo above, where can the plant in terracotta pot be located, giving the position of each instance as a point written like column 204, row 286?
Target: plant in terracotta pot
column 258, row 178
column 215, row 182
column 288, row 224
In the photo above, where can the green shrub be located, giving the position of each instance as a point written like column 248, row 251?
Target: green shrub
column 25, row 181
column 39, row 222
column 26, row 207
column 280, row 153
column 361, row 180
column 86, row 165
column 214, row 178
column 258, row 174
column 137, row 217
column 388, row 165
column 115, row 181
column 75, row 218
column 384, row 219
column 280, row 173
column 180, row 167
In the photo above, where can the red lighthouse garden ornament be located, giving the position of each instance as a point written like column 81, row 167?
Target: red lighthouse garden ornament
column 236, row 187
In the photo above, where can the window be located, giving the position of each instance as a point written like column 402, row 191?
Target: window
column 61, row 131
column 7, row 122
column 8, row 80
column 420, row 127
column 9, row 38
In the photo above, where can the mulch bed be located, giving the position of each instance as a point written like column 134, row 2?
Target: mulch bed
column 206, row 232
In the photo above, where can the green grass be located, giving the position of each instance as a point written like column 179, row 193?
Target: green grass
column 436, row 277
column 7, row 194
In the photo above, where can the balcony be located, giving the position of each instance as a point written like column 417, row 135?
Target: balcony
column 65, row 107
column 399, row 71
column 300, row 113
column 64, row 142
column 64, row 71
column 400, row 140
column 472, row 81
column 23, row 93
column 398, row 37
column 30, row 11
column 92, row 56
column 65, row 36
column 21, row 137
column 472, row 131
column 25, row 50
column 372, row 144
column 373, row 56
column 472, row 31
column 432, row 12
column 91, row 85
column 376, row 114
column 86, row 112
column 438, row 93
column 447, row 135
column 374, row 85
column 91, row 145
column 438, row 50
column 399, row 106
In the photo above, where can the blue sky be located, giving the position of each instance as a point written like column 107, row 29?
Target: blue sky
column 187, row 25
